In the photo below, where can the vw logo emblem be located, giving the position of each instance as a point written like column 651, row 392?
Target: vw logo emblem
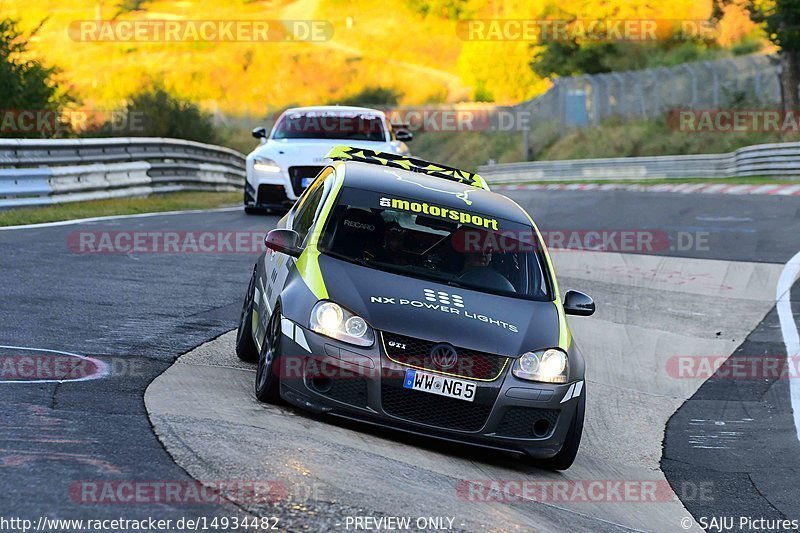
column 444, row 356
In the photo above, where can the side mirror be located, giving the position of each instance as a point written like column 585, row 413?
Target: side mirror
column 579, row 304
column 260, row 132
column 403, row 135
column 284, row 241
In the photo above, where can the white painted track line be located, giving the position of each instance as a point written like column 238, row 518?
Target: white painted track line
column 103, row 368
column 791, row 338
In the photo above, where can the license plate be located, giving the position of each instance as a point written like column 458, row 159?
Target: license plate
column 305, row 182
column 441, row 385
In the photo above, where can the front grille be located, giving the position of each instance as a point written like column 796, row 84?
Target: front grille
column 296, row 175
column 417, row 354
column 434, row 410
column 528, row 422
column 272, row 194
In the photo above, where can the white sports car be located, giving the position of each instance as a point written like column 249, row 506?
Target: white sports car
column 290, row 157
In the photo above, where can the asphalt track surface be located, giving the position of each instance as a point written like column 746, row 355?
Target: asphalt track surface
column 139, row 312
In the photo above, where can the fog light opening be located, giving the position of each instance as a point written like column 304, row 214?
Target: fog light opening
column 541, row 427
column 322, row 384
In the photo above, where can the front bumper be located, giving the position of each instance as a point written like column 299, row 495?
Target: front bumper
column 327, row 376
column 268, row 190
column 266, row 195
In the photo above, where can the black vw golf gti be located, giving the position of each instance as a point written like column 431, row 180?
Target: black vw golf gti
column 405, row 294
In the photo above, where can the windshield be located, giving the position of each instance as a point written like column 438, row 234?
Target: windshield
column 328, row 125
column 423, row 240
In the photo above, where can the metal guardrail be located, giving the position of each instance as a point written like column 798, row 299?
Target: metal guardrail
column 769, row 160
column 47, row 171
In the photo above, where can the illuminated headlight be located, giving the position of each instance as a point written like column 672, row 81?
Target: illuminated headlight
column 263, row 164
column 332, row 320
column 548, row 366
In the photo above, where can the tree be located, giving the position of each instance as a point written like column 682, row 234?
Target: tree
column 781, row 20
column 569, row 58
column 372, row 96
column 155, row 112
column 25, row 83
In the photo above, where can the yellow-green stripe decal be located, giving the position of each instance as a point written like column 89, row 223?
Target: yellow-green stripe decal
column 347, row 153
column 308, row 262
column 308, row 268
column 564, row 335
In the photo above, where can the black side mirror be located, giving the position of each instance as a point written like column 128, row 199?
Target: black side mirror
column 285, row 241
column 403, row 135
column 577, row 303
column 260, row 132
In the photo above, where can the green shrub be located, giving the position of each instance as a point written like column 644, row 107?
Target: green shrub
column 372, row 96
column 154, row 112
column 26, row 84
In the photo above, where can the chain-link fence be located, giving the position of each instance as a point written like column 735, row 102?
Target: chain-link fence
column 751, row 80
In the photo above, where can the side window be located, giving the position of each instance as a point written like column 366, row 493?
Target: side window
column 307, row 209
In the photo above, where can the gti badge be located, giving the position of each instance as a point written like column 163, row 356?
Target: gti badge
column 444, row 356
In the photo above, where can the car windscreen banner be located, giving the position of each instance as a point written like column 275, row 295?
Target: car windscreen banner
column 471, row 231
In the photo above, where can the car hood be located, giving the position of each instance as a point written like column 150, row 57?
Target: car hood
column 440, row 313
column 312, row 150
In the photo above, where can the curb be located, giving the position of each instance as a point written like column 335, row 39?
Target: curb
column 683, row 188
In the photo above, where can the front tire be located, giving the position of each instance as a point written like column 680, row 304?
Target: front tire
column 267, row 380
column 246, row 348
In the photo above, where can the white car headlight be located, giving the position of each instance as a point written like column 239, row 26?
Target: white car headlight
column 263, row 164
column 333, row 320
column 547, row 366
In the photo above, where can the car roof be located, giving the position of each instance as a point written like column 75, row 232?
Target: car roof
column 334, row 109
column 439, row 191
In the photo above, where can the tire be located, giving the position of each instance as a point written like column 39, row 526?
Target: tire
column 246, row 348
column 564, row 458
column 267, row 380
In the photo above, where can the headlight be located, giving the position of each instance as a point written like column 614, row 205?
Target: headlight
column 263, row 164
column 548, row 366
column 332, row 320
